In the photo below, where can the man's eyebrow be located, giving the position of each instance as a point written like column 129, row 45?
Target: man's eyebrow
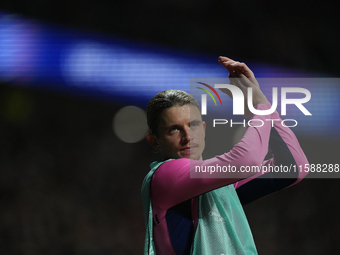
column 170, row 126
column 195, row 121
column 175, row 124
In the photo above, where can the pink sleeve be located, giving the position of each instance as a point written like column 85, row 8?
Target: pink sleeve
column 287, row 152
column 171, row 183
column 293, row 145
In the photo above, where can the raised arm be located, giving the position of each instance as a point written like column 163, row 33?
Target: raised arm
column 288, row 153
column 283, row 144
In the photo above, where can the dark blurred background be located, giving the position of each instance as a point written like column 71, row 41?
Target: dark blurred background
column 70, row 185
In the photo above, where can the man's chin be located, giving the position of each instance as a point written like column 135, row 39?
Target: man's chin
column 195, row 157
column 189, row 157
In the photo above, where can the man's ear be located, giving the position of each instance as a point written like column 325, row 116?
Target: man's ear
column 204, row 126
column 152, row 139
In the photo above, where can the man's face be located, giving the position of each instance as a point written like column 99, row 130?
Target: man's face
column 181, row 133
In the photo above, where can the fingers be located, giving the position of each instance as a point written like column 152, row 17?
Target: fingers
column 236, row 67
column 224, row 59
column 238, row 70
column 226, row 62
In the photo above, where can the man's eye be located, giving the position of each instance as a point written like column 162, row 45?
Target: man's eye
column 194, row 124
column 173, row 129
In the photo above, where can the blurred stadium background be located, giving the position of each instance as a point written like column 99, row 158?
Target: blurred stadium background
column 75, row 79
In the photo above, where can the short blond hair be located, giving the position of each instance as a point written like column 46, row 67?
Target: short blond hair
column 165, row 100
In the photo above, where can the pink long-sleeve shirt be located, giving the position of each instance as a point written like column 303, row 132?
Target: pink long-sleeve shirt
column 174, row 195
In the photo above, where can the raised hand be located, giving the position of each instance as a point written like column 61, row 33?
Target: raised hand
column 241, row 76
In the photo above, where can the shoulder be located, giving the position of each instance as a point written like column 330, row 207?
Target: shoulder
column 170, row 171
column 174, row 163
column 171, row 167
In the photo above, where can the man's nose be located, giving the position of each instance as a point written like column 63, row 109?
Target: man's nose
column 186, row 135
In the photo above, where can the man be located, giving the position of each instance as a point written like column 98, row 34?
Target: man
column 186, row 215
